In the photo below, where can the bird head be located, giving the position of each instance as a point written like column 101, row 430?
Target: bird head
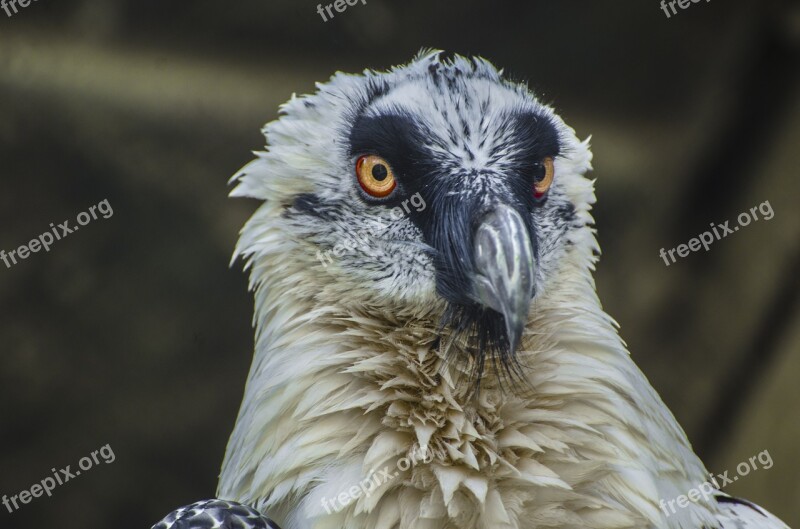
column 434, row 190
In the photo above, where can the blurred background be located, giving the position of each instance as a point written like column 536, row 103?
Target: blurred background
column 135, row 332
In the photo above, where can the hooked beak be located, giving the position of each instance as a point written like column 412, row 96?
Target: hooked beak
column 505, row 269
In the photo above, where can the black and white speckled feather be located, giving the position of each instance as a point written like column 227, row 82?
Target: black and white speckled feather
column 216, row 514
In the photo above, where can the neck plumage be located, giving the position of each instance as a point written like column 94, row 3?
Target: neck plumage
column 337, row 392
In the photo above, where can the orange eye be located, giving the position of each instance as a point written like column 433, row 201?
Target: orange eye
column 544, row 177
column 375, row 176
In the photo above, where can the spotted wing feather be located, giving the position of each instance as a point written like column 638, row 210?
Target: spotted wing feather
column 216, row 514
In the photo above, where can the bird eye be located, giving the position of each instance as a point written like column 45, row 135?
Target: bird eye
column 375, row 176
column 543, row 178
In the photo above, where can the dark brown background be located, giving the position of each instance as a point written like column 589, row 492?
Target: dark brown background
column 135, row 332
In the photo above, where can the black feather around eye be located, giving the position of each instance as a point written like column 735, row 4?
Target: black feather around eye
column 537, row 138
column 395, row 137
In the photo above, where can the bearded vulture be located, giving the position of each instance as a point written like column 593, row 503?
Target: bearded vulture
column 422, row 266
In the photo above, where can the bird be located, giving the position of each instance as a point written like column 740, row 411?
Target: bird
column 422, row 266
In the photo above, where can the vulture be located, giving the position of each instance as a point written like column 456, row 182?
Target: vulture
column 430, row 349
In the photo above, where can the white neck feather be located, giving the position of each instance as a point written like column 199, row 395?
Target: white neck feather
column 337, row 392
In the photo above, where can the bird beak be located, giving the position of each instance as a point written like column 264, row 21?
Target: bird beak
column 504, row 268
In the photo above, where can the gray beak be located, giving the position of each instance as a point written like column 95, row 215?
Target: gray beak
column 505, row 269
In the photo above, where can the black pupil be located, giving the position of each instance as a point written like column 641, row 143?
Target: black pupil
column 379, row 172
column 539, row 172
